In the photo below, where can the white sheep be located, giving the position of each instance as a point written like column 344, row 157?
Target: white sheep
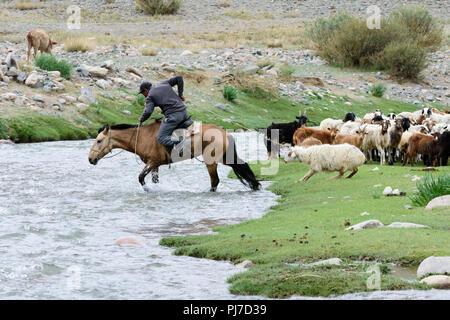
column 376, row 137
column 350, row 127
column 328, row 124
column 328, row 158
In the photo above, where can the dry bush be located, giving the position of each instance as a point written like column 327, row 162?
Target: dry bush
column 159, row 7
column 27, row 5
column 81, row 43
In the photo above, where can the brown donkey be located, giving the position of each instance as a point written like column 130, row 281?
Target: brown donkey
column 212, row 143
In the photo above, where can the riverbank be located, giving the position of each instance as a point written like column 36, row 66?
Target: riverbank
column 309, row 225
column 246, row 112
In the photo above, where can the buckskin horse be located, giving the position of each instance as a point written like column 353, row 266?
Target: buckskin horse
column 212, row 142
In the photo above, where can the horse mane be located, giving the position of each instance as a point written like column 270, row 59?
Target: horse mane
column 123, row 126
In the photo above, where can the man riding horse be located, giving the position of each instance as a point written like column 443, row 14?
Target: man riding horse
column 172, row 105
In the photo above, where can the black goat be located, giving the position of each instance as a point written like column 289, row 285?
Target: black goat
column 444, row 148
column 349, row 117
column 406, row 123
column 285, row 133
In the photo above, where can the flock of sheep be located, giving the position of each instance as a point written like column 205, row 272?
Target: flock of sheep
column 343, row 145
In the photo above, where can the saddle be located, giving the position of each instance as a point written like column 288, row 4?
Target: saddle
column 187, row 131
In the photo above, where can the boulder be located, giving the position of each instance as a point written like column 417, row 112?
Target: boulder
column 13, row 72
column 440, row 202
column 11, row 61
column 6, row 142
column 369, row 224
column 98, row 72
column 81, row 106
column 88, row 96
column 38, row 98
column 35, row 80
column 250, row 70
column 133, row 70
column 68, row 99
column 245, row 264
column 434, row 265
column 108, row 64
column 439, row 282
column 405, row 225
column 102, row 84
column 22, row 77
column 129, row 241
column 8, row 96
column 54, row 74
column 332, row 261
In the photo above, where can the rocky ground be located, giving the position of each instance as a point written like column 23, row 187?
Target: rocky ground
column 102, row 70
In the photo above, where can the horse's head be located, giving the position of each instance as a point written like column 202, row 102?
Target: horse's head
column 102, row 145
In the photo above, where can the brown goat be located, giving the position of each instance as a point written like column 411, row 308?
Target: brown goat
column 417, row 144
column 303, row 133
column 39, row 40
column 355, row 140
column 308, row 142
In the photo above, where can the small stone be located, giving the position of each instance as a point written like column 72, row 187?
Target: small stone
column 405, row 225
column 126, row 112
column 332, row 261
column 375, row 169
column 387, row 190
column 365, row 213
column 369, row 224
column 245, row 264
column 129, row 241
column 38, row 98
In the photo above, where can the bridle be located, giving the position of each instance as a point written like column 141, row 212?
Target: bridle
column 110, row 147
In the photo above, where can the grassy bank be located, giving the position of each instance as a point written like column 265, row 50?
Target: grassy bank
column 309, row 224
column 246, row 112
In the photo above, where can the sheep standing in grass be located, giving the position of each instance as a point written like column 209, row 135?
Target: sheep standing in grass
column 328, row 158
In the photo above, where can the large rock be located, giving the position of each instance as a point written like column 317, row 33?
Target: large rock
column 11, row 61
column 98, row 72
column 129, row 241
column 134, row 70
column 434, row 265
column 35, row 80
column 332, row 261
column 38, row 98
column 369, row 224
column 102, row 84
column 87, row 96
column 250, row 70
column 439, row 282
column 440, row 202
column 8, row 96
column 6, row 142
column 13, row 72
column 405, row 225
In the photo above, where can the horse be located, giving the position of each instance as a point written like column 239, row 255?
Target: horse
column 212, row 142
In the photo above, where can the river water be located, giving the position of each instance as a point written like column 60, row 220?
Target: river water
column 60, row 216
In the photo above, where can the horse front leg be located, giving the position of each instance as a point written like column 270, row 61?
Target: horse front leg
column 148, row 168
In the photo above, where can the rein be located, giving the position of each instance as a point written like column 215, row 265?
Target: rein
column 135, row 146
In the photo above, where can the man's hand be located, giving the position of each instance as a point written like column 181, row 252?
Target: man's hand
column 183, row 98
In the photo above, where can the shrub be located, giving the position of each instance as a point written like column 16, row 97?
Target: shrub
column 155, row 7
column 261, row 89
column 50, row 63
column 347, row 41
column 420, row 25
column 286, row 71
column 229, row 93
column 378, row 90
column 81, row 43
column 404, row 59
column 149, row 52
column 431, row 188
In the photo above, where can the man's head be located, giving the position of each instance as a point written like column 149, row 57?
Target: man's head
column 145, row 88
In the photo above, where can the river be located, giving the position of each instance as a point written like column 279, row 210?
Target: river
column 60, row 216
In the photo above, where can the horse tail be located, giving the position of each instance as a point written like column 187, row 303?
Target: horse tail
column 240, row 168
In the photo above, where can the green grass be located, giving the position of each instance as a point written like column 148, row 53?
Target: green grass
column 378, row 90
column 247, row 112
column 317, row 211
column 431, row 187
column 34, row 127
column 229, row 93
column 50, row 63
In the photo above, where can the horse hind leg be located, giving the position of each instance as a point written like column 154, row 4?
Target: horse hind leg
column 212, row 170
column 148, row 168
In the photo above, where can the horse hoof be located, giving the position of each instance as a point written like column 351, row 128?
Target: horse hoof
column 213, row 189
column 146, row 188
